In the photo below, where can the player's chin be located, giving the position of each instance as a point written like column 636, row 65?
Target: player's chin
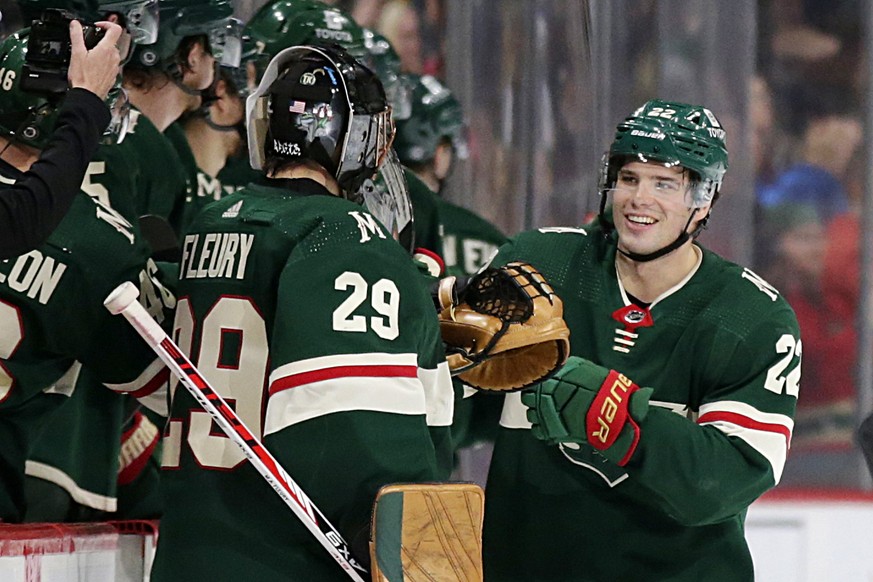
column 632, row 242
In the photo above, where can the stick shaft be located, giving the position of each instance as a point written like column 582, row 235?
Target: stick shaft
column 120, row 302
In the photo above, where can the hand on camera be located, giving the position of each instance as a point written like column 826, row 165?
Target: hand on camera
column 97, row 69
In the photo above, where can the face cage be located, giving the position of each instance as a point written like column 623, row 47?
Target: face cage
column 361, row 150
column 386, row 197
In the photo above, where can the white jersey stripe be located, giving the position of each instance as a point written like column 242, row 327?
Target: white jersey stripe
column 767, row 433
column 150, row 388
column 68, row 484
column 514, row 414
column 439, row 394
column 398, row 395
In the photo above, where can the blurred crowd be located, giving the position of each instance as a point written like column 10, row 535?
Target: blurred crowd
column 805, row 111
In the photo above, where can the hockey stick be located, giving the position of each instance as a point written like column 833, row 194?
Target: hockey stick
column 123, row 300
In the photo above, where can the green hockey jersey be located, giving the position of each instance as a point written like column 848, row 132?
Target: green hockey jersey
column 722, row 352
column 163, row 183
column 426, row 214
column 469, row 241
column 53, row 319
column 205, row 189
column 313, row 323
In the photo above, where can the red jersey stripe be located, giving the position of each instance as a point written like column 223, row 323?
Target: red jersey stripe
column 310, row 377
column 744, row 421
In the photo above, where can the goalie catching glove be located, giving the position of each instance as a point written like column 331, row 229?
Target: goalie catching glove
column 507, row 332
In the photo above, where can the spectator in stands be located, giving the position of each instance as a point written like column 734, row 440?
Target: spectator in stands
column 818, row 179
column 399, row 23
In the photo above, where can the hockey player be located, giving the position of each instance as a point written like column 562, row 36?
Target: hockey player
column 283, row 23
column 73, row 467
column 164, row 80
column 51, row 298
column 306, row 315
column 208, row 138
column 428, row 141
column 594, row 478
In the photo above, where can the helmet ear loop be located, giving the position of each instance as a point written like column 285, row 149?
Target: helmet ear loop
column 32, row 120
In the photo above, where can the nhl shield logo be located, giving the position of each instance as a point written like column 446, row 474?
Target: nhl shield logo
column 631, row 317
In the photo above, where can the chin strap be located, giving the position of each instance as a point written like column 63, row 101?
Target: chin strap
column 240, row 127
column 185, row 88
column 680, row 240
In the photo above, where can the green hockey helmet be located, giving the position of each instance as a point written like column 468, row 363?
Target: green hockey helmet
column 26, row 118
column 29, row 117
column 283, row 23
column 181, row 19
column 139, row 17
column 675, row 134
column 320, row 104
column 280, row 24
column 436, row 116
column 385, row 62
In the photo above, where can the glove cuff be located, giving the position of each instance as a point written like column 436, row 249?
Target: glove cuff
column 609, row 421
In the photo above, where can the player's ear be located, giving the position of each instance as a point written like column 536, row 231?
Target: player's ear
column 220, row 88
column 702, row 213
column 442, row 160
column 196, row 51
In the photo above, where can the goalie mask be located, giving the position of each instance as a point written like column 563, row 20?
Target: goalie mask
column 320, row 104
column 672, row 134
column 29, row 117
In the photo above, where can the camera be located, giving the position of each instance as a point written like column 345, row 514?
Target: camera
column 48, row 51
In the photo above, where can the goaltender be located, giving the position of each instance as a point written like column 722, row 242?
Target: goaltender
column 303, row 312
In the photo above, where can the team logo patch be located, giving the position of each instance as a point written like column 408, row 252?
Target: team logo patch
column 308, row 78
column 631, row 317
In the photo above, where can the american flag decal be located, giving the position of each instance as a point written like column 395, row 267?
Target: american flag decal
column 297, row 107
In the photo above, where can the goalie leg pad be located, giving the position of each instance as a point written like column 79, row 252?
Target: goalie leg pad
column 427, row 531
